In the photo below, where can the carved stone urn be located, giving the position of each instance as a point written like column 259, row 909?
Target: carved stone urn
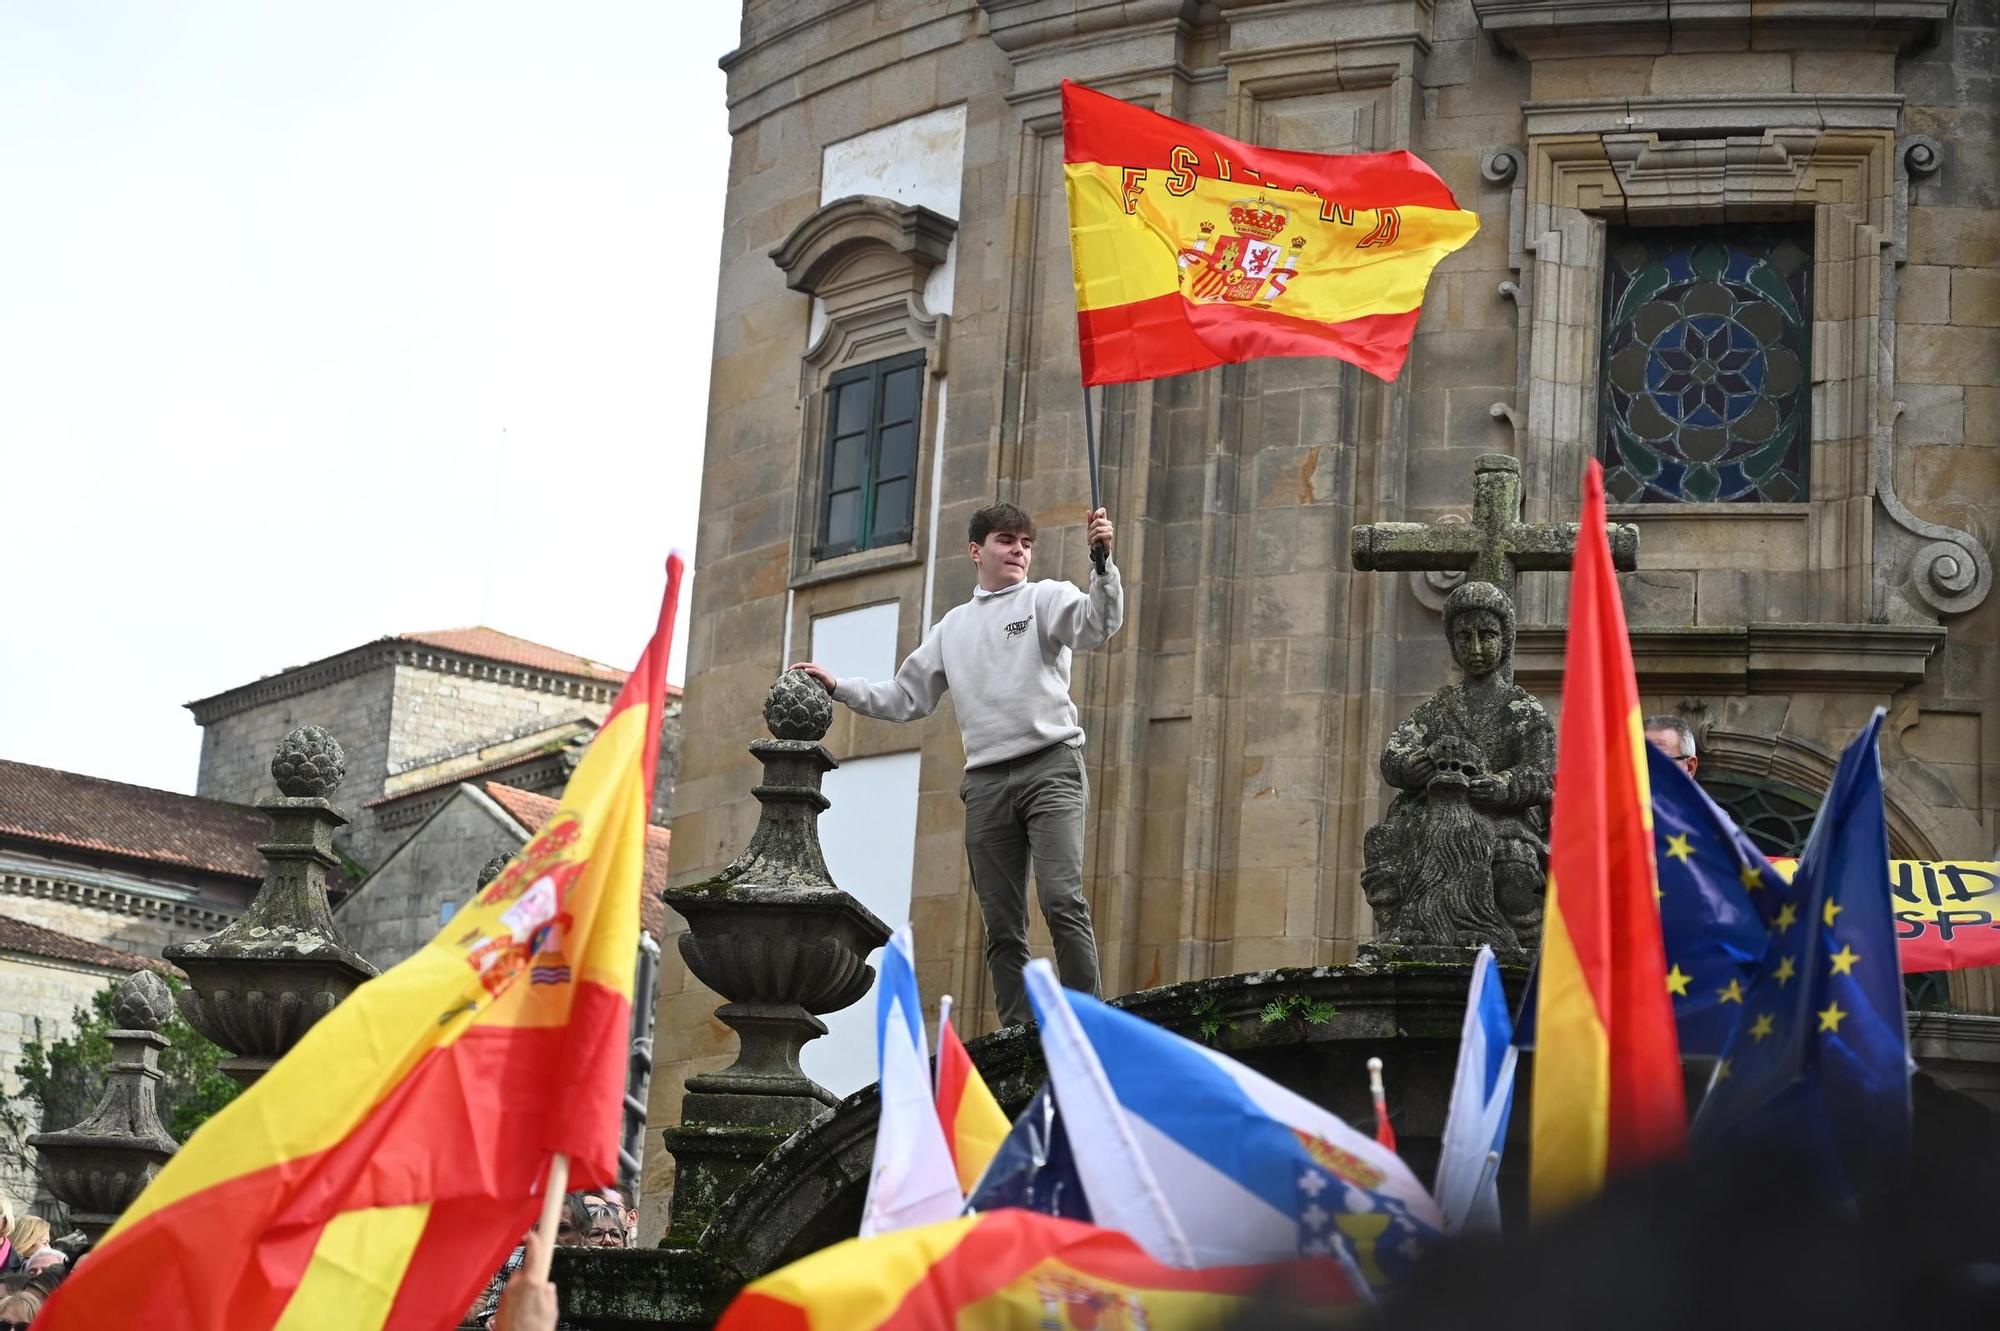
column 776, row 938
column 256, row 986
column 102, row 1164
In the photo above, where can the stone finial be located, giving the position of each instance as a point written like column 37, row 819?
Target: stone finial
column 142, row 1003
column 494, row 867
column 775, row 937
column 256, row 985
column 100, row 1165
column 798, row 707
column 309, row 764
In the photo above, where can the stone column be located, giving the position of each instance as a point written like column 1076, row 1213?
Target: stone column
column 102, row 1164
column 774, row 936
column 256, row 986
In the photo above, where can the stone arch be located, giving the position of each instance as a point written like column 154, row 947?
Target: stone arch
column 1798, row 769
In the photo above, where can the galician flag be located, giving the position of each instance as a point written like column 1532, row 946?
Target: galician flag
column 382, row 1170
column 1482, row 1100
column 912, row 1180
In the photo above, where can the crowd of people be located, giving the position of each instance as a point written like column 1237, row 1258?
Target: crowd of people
column 31, row 1266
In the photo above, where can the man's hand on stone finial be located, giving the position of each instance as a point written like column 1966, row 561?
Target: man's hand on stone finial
column 1100, row 530
column 820, row 673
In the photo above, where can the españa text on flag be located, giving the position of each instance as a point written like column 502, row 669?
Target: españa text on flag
column 1607, row 1094
column 380, row 1172
column 1193, row 250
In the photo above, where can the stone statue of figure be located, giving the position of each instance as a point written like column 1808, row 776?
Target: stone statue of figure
column 1462, row 855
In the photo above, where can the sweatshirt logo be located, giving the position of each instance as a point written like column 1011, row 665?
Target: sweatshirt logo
column 1019, row 626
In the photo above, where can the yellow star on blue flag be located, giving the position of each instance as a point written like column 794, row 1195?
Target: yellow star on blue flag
column 1714, row 925
column 1831, row 1072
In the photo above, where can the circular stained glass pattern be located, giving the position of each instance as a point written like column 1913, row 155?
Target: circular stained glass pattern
column 1707, row 340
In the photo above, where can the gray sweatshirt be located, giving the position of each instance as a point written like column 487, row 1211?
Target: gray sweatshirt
column 1005, row 658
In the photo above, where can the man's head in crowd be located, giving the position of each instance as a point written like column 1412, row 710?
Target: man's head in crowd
column 1674, row 737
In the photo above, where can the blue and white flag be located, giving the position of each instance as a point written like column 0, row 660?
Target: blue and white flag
column 1482, row 1098
column 1206, row 1163
column 912, row 1180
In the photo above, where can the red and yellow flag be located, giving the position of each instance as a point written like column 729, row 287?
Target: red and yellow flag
column 1608, row 1095
column 1005, row 1269
column 1193, row 250
column 974, row 1127
column 383, row 1169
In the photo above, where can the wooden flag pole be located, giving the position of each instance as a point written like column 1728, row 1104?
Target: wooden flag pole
column 1098, row 554
column 552, row 1202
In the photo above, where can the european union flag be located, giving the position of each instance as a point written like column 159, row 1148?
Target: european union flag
column 1718, row 899
column 1033, row 1170
column 1821, row 1060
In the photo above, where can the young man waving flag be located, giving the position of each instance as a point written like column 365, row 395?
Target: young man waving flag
column 381, row 1170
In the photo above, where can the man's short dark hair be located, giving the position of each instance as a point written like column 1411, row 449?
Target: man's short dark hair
column 1668, row 721
column 1002, row 517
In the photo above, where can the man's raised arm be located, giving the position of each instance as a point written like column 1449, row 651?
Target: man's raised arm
column 1082, row 621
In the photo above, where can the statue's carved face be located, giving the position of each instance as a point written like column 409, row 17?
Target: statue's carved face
column 1478, row 642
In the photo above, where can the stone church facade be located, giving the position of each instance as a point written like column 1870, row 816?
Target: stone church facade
column 1743, row 252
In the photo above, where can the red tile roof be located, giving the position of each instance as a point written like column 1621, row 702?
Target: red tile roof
column 136, row 822
column 531, row 811
column 497, row 646
column 20, row 936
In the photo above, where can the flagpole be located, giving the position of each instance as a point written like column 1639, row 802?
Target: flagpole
column 552, row 1201
column 944, row 1020
column 1099, row 555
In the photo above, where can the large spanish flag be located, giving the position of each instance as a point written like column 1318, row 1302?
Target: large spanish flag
column 383, row 1169
column 1608, row 1095
column 974, row 1126
column 1193, row 250
column 1006, row 1269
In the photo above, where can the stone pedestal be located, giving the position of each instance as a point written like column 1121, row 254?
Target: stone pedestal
column 256, row 986
column 774, row 936
column 99, row 1166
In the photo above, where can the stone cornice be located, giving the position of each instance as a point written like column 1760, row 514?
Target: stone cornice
column 1717, row 115
column 1526, row 25
column 393, row 652
column 791, row 53
column 92, row 892
column 1018, row 25
column 1754, row 658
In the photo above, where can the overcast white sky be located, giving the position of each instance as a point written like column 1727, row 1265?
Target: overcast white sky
column 325, row 321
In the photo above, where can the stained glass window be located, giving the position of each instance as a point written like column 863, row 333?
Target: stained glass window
column 1706, row 368
column 1776, row 817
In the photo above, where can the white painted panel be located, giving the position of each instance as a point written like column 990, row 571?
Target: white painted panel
column 870, row 839
column 858, row 642
column 920, row 160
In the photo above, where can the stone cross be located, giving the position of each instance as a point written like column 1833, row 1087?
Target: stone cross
column 1495, row 546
